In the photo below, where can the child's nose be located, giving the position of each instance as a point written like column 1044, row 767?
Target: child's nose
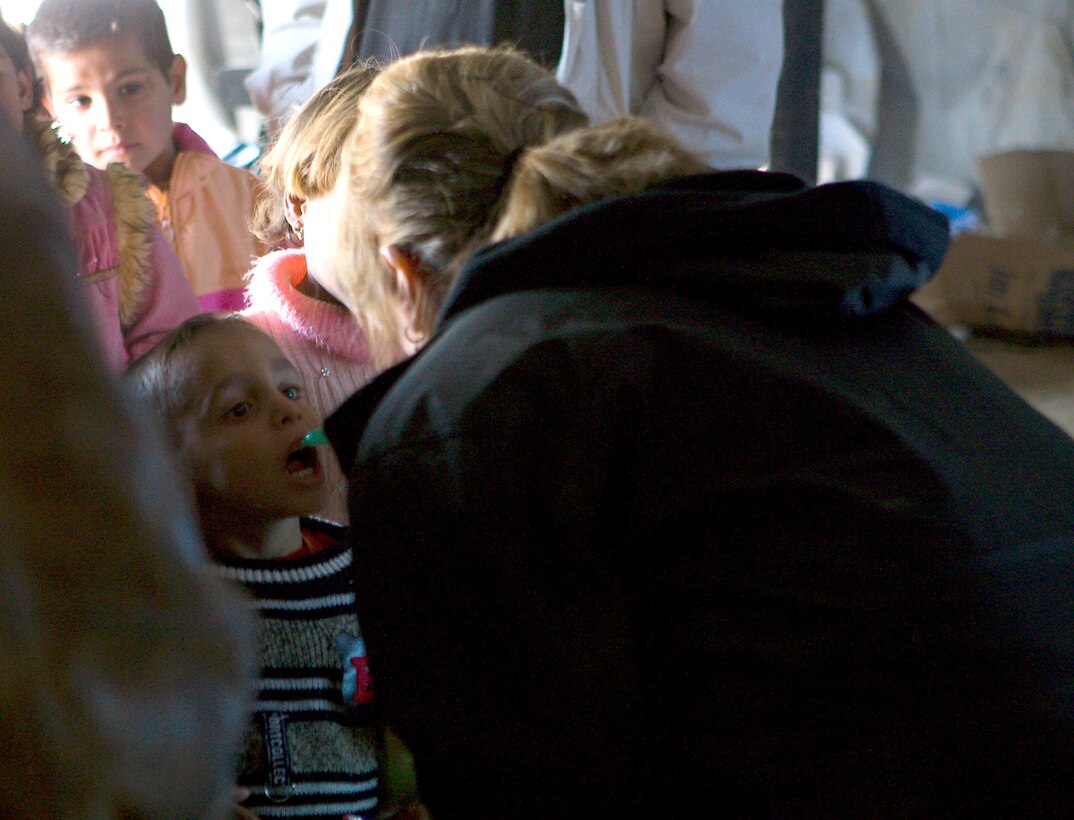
column 290, row 410
column 110, row 115
column 290, row 415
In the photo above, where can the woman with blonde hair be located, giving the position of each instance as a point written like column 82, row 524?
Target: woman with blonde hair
column 681, row 508
column 443, row 129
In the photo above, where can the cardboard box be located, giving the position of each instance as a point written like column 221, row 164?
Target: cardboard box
column 1029, row 194
column 1017, row 285
column 1019, row 276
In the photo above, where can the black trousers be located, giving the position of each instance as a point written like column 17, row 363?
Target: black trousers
column 385, row 29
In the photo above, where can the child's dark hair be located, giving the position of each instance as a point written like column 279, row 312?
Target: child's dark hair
column 155, row 377
column 63, row 26
column 14, row 45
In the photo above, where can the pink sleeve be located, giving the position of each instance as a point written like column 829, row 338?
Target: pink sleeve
column 127, row 664
column 167, row 300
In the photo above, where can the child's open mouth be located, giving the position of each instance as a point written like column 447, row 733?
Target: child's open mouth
column 303, row 464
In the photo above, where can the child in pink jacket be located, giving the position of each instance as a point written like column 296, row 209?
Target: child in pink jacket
column 134, row 287
column 110, row 82
column 291, row 294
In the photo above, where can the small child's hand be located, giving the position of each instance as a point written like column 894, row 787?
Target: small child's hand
column 398, row 778
column 238, row 811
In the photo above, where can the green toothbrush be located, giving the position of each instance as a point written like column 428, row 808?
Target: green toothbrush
column 314, row 437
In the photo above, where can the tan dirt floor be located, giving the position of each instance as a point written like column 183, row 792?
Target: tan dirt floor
column 1042, row 373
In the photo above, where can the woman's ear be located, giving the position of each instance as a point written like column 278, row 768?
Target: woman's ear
column 409, row 273
column 410, row 282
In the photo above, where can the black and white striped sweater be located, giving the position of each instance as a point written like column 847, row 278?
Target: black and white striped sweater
column 310, row 750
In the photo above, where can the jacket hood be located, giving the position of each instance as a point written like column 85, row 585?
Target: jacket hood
column 765, row 240
column 841, row 249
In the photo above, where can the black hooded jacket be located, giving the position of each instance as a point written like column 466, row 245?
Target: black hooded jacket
column 685, row 509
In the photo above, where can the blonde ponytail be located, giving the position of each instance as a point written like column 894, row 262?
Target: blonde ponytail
column 428, row 166
column 621, row 157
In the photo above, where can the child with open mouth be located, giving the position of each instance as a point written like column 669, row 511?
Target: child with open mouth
column 234, row 408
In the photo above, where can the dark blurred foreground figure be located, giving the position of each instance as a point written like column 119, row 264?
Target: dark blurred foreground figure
column 683, row 509
column 124, row 667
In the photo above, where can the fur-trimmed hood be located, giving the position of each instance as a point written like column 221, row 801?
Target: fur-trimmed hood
column 112, row 219
column 63, row 167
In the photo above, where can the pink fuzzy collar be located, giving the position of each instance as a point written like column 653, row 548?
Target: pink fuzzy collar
column 270, row 289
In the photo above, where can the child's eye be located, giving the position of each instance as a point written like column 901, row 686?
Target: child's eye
column 128, row 89
column 79, row 102
column 294, row 393
column 237, row 411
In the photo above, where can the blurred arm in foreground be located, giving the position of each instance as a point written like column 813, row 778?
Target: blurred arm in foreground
column 124, row 667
